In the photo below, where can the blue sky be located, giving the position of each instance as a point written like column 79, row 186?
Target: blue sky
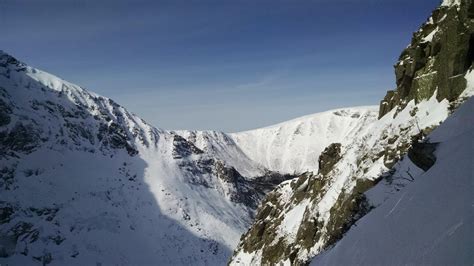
column 222, row 65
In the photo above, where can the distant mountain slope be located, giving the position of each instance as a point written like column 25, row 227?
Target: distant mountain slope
column 421, row 218
column 294, row 146
column 291, row 147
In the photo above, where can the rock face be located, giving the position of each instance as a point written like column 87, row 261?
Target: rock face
column 330, row 156
column 308, row 214
column 438, row 57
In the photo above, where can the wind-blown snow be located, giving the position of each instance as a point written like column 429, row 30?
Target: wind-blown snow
column 429, row 37
column 427, row 222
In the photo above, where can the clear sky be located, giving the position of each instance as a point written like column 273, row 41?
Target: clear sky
column 224, row 65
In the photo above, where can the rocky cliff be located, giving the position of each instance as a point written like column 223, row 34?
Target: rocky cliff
column 308, row 214
column 438, row 57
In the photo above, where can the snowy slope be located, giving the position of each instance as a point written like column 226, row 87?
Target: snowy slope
column 83, row 181
column 427, row 221
column 294, row 146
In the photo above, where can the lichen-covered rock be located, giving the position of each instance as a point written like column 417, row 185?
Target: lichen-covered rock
column 439, row 55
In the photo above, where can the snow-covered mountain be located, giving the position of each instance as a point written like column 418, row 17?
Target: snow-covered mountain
column 306, row 215
column 82, row 180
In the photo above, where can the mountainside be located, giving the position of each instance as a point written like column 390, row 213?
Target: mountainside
column 421, row 218
column 308, row 214
column 82, row 180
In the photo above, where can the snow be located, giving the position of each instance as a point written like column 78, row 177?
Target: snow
column 294, row 146
column 427, row 221
column 469, row 91
column 451, row 2
column 292, row 220
column 429, row 37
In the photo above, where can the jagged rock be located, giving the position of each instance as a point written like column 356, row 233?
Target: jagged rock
column 183, row 148
column 329, row 157
column 21, row 138
column 5, row 112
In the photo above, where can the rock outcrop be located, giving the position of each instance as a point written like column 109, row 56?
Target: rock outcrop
column 437, row 58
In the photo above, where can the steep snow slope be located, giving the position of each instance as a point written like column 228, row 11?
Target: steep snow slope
column 421, row 218
column 294, row 146
column 83, row 181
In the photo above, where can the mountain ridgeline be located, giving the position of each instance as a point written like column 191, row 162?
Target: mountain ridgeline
column 309, row 214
